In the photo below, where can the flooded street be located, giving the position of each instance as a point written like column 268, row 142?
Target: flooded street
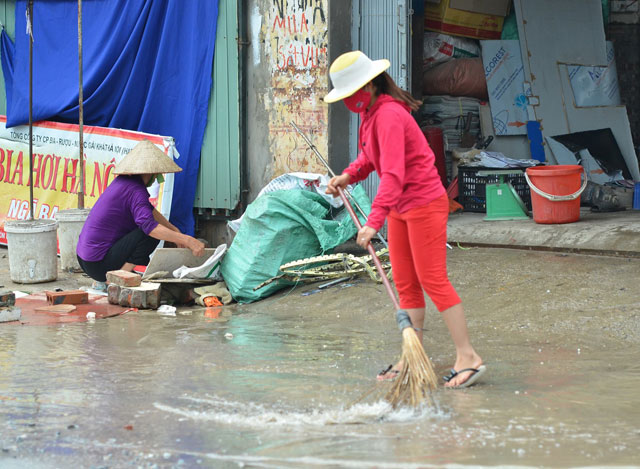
column 273, row 384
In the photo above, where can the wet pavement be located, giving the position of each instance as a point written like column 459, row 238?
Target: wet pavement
column 273, row 384
column 595, row 233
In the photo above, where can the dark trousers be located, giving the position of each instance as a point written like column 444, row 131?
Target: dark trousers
column 135, row 248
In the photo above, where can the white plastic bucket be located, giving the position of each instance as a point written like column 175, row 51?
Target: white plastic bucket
column 70, row 223
column 33, row 253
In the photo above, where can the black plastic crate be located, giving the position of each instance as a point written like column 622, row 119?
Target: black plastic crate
column 472, row 187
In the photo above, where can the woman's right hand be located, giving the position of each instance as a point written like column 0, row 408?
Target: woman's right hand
column 341, row 181
column 196, row 247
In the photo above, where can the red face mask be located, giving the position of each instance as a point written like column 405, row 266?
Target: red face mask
column 358, row 101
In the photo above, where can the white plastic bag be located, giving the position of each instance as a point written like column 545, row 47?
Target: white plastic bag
column 306, row 181
column 439, row 48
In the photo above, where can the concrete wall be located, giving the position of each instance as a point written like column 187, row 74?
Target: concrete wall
column 286, row 80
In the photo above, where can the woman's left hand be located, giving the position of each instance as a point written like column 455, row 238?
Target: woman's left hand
column 364, row 236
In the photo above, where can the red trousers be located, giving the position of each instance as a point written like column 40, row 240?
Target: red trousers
column 418, row 251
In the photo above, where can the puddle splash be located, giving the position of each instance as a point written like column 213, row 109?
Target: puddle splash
column 216, row 409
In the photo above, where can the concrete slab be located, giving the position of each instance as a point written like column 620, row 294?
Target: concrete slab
column 613, row 233
column 9, row 314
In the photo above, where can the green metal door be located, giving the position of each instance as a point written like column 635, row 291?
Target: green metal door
column 219, row 177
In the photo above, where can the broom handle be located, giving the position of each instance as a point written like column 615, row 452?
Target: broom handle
column 326, row 165
column 371, row 250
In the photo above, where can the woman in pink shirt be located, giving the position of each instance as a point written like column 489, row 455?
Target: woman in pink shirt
column 410, row 197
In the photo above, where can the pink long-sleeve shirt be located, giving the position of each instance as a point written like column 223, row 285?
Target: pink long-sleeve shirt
column 391, row 143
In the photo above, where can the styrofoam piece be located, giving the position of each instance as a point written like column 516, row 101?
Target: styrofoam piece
column 167, row 310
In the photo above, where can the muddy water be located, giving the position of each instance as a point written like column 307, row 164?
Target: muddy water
column 271, row 384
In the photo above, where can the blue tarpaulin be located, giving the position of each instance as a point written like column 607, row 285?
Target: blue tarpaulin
column 147, row 66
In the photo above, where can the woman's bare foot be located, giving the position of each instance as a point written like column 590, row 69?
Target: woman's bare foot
column 473, row 361
column 391, row 372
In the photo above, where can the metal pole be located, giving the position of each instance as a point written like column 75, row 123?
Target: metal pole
column 80, row 110
column 30, row 19
column 326, row 165
column 372, row 251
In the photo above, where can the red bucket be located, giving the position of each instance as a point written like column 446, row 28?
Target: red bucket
column 555, row 192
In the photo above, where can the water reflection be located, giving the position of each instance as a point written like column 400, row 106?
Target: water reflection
column 270, row 384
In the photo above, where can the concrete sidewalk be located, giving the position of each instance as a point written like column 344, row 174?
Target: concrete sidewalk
column 613, row 233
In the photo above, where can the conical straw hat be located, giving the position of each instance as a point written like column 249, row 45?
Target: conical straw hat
column 146, row 158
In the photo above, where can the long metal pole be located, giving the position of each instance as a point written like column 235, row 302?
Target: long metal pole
column 30, row 31
column 80, row 110
column 326, row 165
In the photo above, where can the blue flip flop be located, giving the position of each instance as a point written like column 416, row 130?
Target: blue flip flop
column 475, row 375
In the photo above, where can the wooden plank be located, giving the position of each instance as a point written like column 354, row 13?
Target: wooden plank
column 61, row 308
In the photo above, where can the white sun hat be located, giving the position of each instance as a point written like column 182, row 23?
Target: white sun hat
column 350, row 72
column 146, row 158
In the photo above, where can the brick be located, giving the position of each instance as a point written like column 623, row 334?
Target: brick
column 67, row 297
column 145, row 296
column 7, row 298
column 124, row 278
column 113, row 294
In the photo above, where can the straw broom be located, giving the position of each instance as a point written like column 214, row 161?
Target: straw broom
column 417, row 379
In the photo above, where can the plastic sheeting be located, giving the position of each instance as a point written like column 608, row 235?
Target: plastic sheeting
column 147, row 67
column 280, row 227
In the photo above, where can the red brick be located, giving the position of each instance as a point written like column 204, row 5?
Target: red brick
column 124, row 278
column 7, row 298
column 67, row 297
column 113, row 294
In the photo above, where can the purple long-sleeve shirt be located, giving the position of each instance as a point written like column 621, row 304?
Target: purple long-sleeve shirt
column 122, row 207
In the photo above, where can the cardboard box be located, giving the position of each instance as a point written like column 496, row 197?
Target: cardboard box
column 486, row 7
column 443, row 18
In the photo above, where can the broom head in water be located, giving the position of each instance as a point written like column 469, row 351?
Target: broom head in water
column 416, row 380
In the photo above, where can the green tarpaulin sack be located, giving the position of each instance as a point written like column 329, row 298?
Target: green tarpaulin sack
column 280, row 227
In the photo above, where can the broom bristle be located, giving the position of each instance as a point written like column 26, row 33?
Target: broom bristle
column 417, row 379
